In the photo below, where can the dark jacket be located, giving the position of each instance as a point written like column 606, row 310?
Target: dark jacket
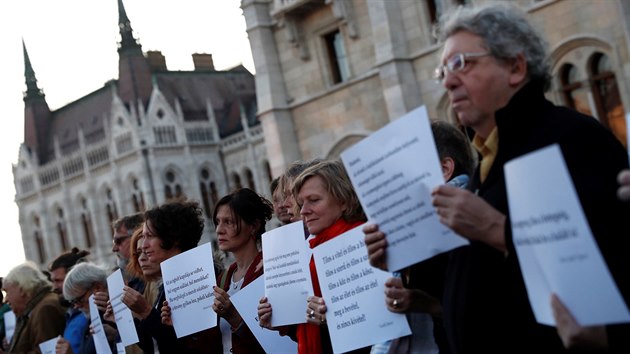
column 243, row 341
column 43, row 319
column 486, row 308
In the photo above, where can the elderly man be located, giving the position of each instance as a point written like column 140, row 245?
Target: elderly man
column 76, row 323
column 84, row 280
column 494, row 69
column 40, row 317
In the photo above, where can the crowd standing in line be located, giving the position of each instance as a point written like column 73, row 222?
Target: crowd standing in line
column 494, row 68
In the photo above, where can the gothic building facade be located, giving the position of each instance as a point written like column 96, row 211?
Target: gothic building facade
column 330, row 72
column 150, row 135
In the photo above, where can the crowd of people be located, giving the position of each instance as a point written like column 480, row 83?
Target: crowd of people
column 473, row 299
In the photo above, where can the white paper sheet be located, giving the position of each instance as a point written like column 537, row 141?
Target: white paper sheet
column 287, row 275
column 100, row 340
column 246, row 303
column 357, row 315
column 122, row 314
column 120, row 348
column 188, row 281
column 393, row 172
column 555, row 247
column 48, row 347
column 628, row 133
column 9, row 325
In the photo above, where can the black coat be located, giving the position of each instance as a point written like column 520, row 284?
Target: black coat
column 486, row 308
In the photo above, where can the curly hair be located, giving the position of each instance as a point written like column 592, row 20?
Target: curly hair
column 247, row 206
column 506, row 33
column 178, row 223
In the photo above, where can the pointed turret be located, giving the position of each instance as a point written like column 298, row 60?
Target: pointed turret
column 32, row 91
column 134, row 72
column 37, row 114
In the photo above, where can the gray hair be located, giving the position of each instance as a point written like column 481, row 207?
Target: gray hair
column 28, row 277
column 81, row 278
column 506, row 33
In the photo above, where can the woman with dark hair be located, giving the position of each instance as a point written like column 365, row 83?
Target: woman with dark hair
column 329, row 207
column 239, row 219
column 169, row 229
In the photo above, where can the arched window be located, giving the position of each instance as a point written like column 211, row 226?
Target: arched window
column 137, row 198
column 606, row 95
column 236, row 181
column 61, row 230
column 112, row 213
column 267, row 169
column 86, row 222
column 208, row 191
column 573, row 91
column 39, row 242
column 172, row 187
column 250, row 179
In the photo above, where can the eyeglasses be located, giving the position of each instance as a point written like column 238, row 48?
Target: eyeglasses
column 455, row 64
column 78, row 299
column 118, row 240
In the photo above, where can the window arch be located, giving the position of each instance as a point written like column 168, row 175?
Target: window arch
column 61, row 230
column 236, row 181
column 573, row 90
column 209, row 194
column 110, row 206
column 86, row 223
column 137, row 197
column 39, row 241
column 606, row 95
column 250, row 179
column 172, row 186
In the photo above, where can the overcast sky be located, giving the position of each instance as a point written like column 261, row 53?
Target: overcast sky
column 72, row 47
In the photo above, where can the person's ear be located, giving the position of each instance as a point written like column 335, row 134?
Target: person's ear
column 448, row 168
column 518, row 70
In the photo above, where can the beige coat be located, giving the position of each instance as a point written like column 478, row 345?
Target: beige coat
column 43, row 319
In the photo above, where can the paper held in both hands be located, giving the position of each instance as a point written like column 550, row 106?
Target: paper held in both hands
column 286, row 257
column 393, row 172
column 122, row 314
column 555, row 247
column 357, row 315
column 188, row 280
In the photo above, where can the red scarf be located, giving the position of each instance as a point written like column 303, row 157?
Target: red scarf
column 308, row 335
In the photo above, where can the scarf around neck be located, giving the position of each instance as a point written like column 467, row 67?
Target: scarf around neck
column 309, row 337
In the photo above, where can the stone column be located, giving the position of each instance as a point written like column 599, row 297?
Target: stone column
column 273, row 110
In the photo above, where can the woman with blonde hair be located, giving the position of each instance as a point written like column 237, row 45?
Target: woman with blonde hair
column 329, row 207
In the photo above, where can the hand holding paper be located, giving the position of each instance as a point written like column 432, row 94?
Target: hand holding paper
column 556, row 249
column 393, row 172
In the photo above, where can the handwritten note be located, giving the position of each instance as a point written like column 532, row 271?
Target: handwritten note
column 100, row 339
column 122, row 314
column 287, row 275
column 188, row 281
column 9, row 325
column 554, row 244
column 48, row 347
column 393, row 172
column 246, row 301
column 353, row 291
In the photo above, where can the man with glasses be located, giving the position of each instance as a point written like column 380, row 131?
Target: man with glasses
column 82, row 281
column 123, row 229
column 76, row 323
column 494, row 67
